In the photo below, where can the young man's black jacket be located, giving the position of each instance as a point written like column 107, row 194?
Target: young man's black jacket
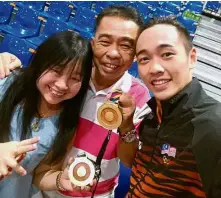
column 181, row 157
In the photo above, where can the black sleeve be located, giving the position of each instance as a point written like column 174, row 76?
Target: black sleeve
column 215, row 189
column 207, row 151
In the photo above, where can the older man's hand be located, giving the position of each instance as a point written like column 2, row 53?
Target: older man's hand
column 8, row 62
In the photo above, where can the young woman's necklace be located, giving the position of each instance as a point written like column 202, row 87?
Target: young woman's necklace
column 36, row 123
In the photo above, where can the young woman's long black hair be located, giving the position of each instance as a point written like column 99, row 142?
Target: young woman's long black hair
column 58, row 49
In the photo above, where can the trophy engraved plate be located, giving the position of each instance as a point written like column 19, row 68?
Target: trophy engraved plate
column 81, row 171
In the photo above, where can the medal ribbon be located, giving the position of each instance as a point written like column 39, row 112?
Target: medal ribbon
column 115, row 95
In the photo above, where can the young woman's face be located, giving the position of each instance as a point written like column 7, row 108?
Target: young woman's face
column 57, row 84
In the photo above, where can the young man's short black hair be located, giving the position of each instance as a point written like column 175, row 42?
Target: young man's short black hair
column 128, row 13
column 171, row 20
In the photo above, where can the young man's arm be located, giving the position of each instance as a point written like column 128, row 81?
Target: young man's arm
column 8, row 62
column 127, row 151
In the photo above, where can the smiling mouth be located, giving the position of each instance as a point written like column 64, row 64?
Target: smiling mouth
column 56, row 93
column 112, row 66
column 159, row 82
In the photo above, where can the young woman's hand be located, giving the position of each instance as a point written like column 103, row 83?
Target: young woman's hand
column 66, row 183
column 10, row 152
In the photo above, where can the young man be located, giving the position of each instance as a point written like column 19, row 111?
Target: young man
column 113, row 45
column 180, row 152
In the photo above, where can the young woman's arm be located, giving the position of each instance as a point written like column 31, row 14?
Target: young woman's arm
column 46, row 174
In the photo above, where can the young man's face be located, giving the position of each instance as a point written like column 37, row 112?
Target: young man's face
column 163, row 63
column 114, row 47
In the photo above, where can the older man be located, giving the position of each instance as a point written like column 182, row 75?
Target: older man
column 113, row 45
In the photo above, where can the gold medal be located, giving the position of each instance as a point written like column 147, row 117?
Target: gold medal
column 109, row 115
column 81, row 171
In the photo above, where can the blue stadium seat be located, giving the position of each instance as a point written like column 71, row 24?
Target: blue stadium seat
column 133, row 69
column 159, row 12
column 149, row 14
column 143, row 8
column 194, row 6
column 178, row 3
column 152, row 4
column 19, row 47
column 51, row 26
column 35, row 5
column 5, row 12
column 170, row 6
column 124, row 3
column 85, row 4
column 124, row 182
column 83, row 33
column 189, row 24
column 213, row 6
column 98, row 6
column 25, row 24
column 84, row 18
column 60, row 10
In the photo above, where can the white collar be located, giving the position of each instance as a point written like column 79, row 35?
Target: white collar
column 124, row 83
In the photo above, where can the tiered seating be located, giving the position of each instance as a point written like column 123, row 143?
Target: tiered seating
column 59, row 10
column 194, row 6
column 35, row 5
column 26, row 24
column 84, row 18
column 170, row 6
column 213, row 6
column 5, row 12
column 35, row 21
column 51, row 26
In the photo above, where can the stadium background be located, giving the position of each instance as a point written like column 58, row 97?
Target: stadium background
column 24, row 25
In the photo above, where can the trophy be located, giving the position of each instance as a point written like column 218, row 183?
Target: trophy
column 109, row 115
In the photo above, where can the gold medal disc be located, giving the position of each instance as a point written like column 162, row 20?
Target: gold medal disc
column 109, row 116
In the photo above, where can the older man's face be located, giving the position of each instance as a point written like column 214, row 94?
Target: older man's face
column 163, row 62
column 114, row 47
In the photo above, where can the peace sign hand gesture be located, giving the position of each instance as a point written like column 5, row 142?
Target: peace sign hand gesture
column 11, row 153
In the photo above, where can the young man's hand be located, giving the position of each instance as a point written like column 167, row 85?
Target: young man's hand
column 8, row 62
column 127, row 105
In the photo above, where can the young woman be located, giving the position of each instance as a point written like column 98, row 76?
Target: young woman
column 42, row 100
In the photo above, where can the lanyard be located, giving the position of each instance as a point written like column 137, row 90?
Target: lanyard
column 114, row 98
column 99, row 159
